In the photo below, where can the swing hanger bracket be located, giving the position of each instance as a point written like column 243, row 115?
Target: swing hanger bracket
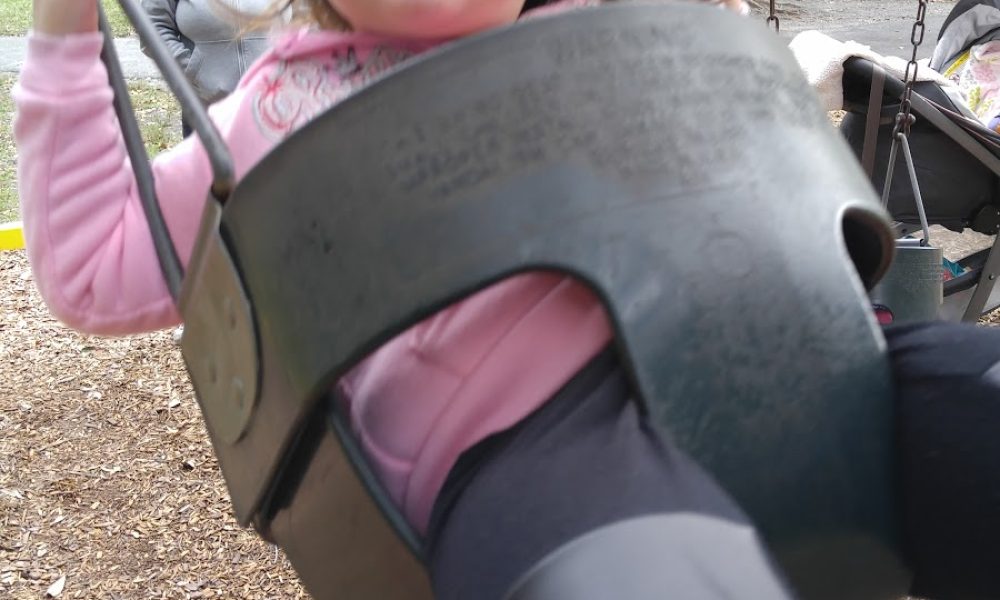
column 772, row 17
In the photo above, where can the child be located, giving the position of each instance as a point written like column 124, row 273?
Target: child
column 489, row 412
column 435, row 392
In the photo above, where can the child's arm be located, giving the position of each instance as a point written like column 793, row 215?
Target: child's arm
column 87, row 238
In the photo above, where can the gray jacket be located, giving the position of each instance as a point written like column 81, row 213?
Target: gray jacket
column 205, row 41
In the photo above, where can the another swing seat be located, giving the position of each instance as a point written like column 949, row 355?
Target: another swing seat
column 957, row 159
column 732, row 256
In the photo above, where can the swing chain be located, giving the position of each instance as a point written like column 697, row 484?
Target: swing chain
column 773, row 18
column 904, row 119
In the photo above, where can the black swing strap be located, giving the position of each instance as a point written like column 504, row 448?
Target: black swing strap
column 872, row 119
column 216, row 149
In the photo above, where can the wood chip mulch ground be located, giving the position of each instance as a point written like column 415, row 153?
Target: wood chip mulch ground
column 108, row 485
column 107, row 478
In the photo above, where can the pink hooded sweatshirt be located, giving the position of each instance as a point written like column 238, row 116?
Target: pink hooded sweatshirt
column 417, row 403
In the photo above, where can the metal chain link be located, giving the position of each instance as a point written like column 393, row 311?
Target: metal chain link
column 904, row 119
column 772, row 18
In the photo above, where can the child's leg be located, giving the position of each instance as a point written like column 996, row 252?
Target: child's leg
column 584, row 460
column 948, row 380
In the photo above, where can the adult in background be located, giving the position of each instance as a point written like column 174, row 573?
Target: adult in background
column 214, row 41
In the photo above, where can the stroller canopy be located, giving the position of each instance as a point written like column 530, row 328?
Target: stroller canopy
column 971, row 22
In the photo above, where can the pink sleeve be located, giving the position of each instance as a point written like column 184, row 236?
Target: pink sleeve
column 87, row 237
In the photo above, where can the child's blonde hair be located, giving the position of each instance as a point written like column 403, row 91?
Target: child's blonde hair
column 315, row 12
column 320, row 13
column 299, row 12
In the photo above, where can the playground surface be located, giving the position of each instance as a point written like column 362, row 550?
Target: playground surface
column 885, row 25
column 107, row 477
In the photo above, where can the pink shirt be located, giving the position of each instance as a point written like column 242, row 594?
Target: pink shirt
column 418, row 402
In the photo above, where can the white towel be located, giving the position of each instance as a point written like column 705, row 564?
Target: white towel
column 822, row 59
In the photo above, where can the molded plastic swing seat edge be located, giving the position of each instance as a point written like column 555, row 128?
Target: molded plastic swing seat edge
column 567, row 144
column 220, row 342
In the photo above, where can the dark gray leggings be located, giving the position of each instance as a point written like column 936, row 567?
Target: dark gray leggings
column 587, row 459
column 948, row 444
column 584, row 460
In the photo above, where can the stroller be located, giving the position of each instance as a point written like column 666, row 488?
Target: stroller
column 733, row 260
column 956, row 158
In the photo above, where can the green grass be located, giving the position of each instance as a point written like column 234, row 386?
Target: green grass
column 159, row 116
column 15, row 17
column 155, row 108
column 8, row 164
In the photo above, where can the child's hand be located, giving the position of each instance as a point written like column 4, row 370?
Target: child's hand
column 63, row 17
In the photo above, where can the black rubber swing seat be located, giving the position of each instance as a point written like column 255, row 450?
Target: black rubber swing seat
column 957, row 159
column 957, row 163
column 672, row 158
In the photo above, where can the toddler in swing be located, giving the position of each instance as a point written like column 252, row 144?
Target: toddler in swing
column 450, row 412
column 509, row 406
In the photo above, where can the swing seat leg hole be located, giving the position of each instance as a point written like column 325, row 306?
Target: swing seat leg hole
column 869, row 244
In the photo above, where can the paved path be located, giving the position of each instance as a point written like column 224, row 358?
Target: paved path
column 134, row 62
column 885, row 25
